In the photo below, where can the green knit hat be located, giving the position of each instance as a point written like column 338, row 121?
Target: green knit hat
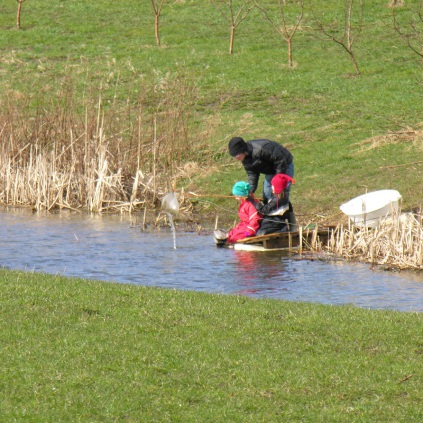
column 241, row 189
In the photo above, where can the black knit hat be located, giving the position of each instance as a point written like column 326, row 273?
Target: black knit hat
column 237, row 146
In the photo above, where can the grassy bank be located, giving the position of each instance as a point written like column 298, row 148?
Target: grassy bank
column 76, row 350
column 79, row 80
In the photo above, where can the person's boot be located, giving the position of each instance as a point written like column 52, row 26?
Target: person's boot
column 291, row 219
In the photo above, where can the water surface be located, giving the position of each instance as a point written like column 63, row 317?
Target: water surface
column 113, row 248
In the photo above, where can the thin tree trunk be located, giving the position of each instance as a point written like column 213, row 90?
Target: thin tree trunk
column 289, row 41
column 231, row 42
column 156, row 29
column 357, row 70
column 18, row 16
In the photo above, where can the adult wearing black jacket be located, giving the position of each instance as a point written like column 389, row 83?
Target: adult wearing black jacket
column 265, row 157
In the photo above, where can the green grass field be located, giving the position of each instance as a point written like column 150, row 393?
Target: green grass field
column 349, row 134
column 81, row 351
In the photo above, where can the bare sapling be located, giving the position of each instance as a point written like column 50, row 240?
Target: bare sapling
column 280, row 24
column 411, row 29
column 351, row 30
column 226, row 9
column 157, row 8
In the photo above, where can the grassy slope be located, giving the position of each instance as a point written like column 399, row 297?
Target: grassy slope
column 74, row 350
column 319, row 109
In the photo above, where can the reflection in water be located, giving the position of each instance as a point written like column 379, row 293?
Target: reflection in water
column 173, row 229
column 112, row 248
column 260, row 271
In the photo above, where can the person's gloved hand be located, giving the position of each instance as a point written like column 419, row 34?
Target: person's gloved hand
column 251, row 198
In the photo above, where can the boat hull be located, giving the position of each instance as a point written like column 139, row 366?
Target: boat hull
column 304, row 239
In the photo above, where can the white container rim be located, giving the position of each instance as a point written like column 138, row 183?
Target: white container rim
column 370, row 202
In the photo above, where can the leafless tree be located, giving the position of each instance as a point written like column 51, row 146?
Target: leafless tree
column 18, row 15
column 412, row 30
column 157, row 7
column 352, row 29
column 226, row 9
column 280, row 24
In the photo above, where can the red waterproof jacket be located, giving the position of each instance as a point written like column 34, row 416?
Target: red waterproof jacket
column 249, row 224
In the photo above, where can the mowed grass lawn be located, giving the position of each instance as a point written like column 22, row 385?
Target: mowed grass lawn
column 78, row 350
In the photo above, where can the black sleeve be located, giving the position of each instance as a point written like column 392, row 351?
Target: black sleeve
column 278, row 155
column 280, row 161
column 253, row 179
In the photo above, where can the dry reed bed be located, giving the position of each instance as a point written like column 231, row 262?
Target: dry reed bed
column 396, row 242
column 96, row 153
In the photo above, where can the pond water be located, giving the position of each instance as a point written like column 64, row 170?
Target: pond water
column 113, row 248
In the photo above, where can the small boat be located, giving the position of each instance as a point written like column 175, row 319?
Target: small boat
column 307, row 238
column 368, row 209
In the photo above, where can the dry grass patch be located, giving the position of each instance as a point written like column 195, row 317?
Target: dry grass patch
column 413, row 137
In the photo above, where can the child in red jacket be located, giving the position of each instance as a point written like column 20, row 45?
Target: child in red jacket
column 249, row 217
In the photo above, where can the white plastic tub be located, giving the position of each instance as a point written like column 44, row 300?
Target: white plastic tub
column 367, row 209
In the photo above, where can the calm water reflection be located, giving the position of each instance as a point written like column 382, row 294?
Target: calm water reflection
column 112, row 248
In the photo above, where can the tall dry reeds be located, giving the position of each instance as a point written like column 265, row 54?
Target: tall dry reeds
column 90, row 150
column 397, row 241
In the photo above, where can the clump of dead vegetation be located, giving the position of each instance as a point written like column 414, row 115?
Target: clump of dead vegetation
column 96, row 152
column 412, row 137
column 396, row 242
